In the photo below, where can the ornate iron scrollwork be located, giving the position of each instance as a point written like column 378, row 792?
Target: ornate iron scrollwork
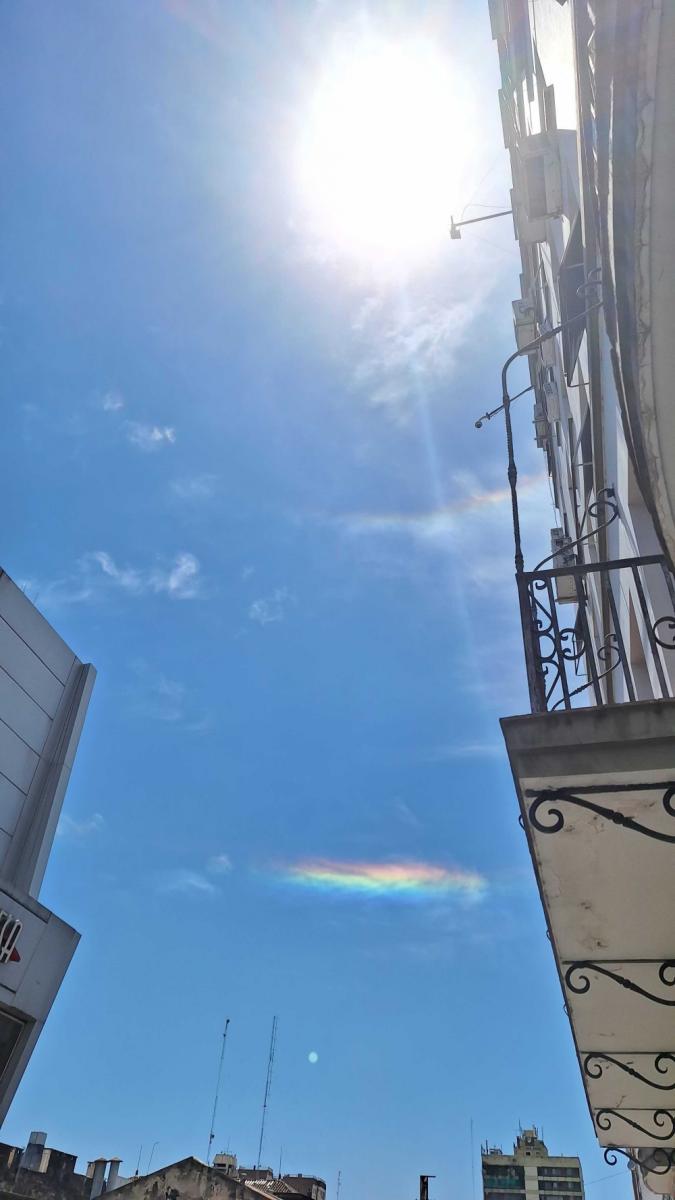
column 594, row 1065
column 604, row 510
column 556, row 819
column 662, row 1119
column 582, row 985
column 669, row 623
column 659, row 1162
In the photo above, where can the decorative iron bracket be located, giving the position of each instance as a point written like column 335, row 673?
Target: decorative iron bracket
column 594, row 1065
column 554, row 819
column 661, row 1117
column 583, row 983
column 660, row 1161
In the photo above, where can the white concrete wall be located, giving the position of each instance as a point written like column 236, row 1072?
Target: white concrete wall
column 44, row 693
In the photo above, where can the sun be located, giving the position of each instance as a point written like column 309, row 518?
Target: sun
column 381, row 149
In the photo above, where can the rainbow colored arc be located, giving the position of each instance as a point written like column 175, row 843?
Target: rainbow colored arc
column 405, row 879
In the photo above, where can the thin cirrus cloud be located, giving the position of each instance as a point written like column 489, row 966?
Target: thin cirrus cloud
column 219, row 864
column 401, row 880
column 400, row 352
column 141, row 434
column 149, row 437
column 97, row 574
column 153, row 695
column 112, row 401
column 267, row 610
column 186, row 882
column 76, row 830
column 179, row 580
column 463, row 750
column 195, row 488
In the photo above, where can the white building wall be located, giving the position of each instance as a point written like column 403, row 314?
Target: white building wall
column 528, row 102
column 44, row 693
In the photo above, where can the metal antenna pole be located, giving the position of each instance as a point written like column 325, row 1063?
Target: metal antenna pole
column 424, row 1186
column 268, row 1085
column 339, row 1184
column 212, row 1132
column 138, row 1164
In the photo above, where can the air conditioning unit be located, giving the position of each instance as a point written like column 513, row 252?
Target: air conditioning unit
column 541, row 431
column 540, row 176
column 551, row 400
column 564, row 556
column 524, row 322
column 527, row 231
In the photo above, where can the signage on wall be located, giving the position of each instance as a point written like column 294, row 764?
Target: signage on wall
column 10, row 928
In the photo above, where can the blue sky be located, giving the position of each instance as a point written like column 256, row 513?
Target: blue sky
column 242, row 477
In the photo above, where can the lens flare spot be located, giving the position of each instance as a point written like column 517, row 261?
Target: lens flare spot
column 313, row 1056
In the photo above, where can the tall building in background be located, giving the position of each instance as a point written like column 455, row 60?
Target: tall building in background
column 587, row 101
column 530, row 1173
column 44, row 693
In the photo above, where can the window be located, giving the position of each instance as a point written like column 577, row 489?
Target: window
column 571, row 277
column 566, row 1172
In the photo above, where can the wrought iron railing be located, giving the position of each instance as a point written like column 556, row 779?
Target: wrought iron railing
column 567, row 659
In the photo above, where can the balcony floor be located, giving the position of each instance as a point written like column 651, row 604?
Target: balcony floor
column 593, row 787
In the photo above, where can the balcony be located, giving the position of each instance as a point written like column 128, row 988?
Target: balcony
column 594, row 768
column 567, row 663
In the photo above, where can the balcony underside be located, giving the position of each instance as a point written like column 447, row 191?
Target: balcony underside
column 594, row 787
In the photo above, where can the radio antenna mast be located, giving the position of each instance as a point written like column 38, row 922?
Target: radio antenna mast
column 268, row 1086
column 212, row 1132
column 339, row 1184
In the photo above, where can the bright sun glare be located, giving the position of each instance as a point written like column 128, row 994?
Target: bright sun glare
column 381, row 150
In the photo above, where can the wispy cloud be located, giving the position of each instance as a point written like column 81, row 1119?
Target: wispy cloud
column 219, row 864
column 98, row 573
column 180, row 579
column 403, row 351
column 112, row 402
column 186, row 882
column 406, row 815
column 195, row 487
column 268, row 609
column 464, row 750
column 149, row 437
column 155, row 696
column 78, row 829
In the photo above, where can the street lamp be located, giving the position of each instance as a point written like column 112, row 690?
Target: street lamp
column 456, row 225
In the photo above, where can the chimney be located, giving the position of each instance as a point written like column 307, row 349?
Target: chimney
column 113, row 1174
column 32, row 1155
column 98, row 1177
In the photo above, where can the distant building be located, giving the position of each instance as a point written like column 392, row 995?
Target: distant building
column 44, row 693
column 530, row 1173
column 43, row 1173
column 191, row 1179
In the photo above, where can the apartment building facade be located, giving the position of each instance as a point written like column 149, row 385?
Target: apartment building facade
column 587, row 110
column 530, row 1172
column 44, row 694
